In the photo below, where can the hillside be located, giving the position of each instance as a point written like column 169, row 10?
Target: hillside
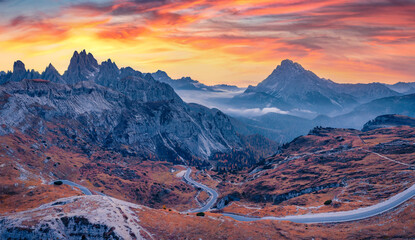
column 349, row 167
column 364, row 173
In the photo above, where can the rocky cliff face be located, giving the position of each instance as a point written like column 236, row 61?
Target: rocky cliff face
column 98, row 115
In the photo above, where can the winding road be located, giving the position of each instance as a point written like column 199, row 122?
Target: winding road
column 330, row 217
column 213, row 194
column 345, row 216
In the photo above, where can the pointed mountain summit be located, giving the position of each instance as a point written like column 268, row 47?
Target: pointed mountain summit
column 290, row 78
column 288, row 64
column 162, row 76
column 52, row 74
column 82, row 67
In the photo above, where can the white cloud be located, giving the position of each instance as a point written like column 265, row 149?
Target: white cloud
column 254, row 112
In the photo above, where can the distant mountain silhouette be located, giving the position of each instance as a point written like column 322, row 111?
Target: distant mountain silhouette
column 187, row 83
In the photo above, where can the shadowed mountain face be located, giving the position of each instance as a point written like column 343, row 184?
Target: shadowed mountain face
column 113, row 108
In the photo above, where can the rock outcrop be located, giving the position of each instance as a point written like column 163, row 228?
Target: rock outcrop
column 86, row 217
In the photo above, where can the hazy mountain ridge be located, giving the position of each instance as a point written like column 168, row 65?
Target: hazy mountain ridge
column 402, row 105
column 403, row 87
column 187, row 83
column 389, row 120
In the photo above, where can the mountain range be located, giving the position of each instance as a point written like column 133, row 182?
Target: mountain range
column 297, row 94
column 113, row 107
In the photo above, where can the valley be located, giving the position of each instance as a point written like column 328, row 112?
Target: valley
column 109, row 152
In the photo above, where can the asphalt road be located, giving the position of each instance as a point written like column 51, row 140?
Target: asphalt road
column 82, row 188
column 344, row 216
column 213, row 194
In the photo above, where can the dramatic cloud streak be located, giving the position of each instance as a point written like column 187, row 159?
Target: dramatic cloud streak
column 232, row 41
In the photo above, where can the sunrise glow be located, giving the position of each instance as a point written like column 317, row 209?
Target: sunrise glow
column 234, row 41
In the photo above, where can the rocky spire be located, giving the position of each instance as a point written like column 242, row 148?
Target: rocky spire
column 19, row 71
column 82, row 67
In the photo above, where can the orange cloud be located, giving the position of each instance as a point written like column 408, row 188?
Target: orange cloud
column 348, row 41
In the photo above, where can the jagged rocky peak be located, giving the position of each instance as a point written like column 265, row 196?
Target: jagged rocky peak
column 52, row 74
column 50, row 68
column 290, row 76
column 128, row 72
column 109, row 66
column 187, row 79
column 84, row 58
column 82, row 67
column 160, row 72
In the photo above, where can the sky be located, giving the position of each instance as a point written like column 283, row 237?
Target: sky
column 235, row 42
